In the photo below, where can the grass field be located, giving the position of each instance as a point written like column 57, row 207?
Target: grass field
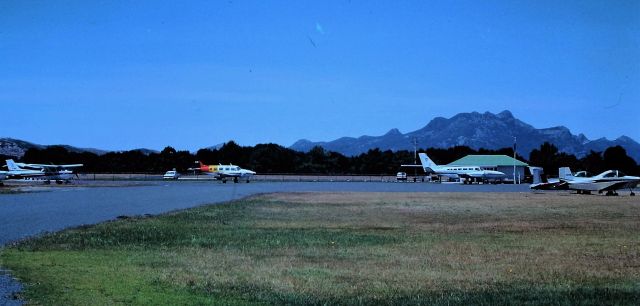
column 348, row 249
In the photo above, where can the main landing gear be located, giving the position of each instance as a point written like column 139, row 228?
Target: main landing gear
column 611, row 193
column 235, row 180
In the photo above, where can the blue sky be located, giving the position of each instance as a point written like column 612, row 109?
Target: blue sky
column 123, row 75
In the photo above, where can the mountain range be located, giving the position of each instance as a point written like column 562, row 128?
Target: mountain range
column 16, row 148
column 475, row 130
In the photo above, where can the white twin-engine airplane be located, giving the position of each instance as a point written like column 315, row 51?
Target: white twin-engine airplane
column 467, row 173
column 222, row 172
column 59, row 173
column 609, row 181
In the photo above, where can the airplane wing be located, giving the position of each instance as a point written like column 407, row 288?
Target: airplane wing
column 472, row 175
column 559, row 185
column 55, row 166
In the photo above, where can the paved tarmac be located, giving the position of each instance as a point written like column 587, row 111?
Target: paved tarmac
column 52, row 208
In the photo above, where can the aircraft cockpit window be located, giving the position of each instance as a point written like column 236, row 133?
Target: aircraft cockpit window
column 610, row 174
column 621, row 174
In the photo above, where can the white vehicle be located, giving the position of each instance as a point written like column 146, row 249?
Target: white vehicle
column 59, row 173
column 609, row 181
column 467, row 173
column 171, row 175
column 401, row 176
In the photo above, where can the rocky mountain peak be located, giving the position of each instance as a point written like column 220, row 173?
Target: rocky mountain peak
column 477, row 130
column 393, row 132
column 505, row 114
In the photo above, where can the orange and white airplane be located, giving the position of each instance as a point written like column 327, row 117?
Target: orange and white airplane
column 224, row 172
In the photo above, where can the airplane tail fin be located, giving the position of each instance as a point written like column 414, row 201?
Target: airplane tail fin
column 203, row 167
column 564, row 173
column 11, row 165
column 427, row 163
column 536, row 172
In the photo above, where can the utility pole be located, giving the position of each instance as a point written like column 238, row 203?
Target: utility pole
column 514, row 160
column 415, row 158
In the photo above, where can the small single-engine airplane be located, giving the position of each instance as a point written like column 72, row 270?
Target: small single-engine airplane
column 467, row 173
column 224, row 172
column 59, row 173
column 609, row 181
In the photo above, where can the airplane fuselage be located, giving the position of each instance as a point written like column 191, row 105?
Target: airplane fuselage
column 222, row 172
column 610, row 181
column 465, row 172
column 468, row 172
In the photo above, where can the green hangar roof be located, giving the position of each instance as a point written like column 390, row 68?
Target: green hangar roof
column 487, row 160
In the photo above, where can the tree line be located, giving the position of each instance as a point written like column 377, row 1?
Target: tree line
column 273, row 158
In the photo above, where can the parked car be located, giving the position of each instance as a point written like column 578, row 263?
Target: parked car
column 401, row 176
column 171, row 175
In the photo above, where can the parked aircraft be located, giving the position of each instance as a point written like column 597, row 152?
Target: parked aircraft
column 59, row 173
column 467, row 173
column 540, row 182
column 224, row 172
column 609, row 181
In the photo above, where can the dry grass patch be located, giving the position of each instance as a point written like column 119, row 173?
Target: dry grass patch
column 378, row 248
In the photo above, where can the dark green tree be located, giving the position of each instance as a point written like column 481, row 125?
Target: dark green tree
column 617, row 158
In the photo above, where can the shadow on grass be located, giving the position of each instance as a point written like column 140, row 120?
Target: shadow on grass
column 506, row 295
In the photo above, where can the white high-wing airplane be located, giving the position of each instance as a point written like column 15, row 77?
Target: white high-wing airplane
column 609, row 181
column 222, row 172
column 59, row 173
column 468, row 173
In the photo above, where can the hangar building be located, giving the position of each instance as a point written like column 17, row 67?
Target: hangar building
column 500, row 163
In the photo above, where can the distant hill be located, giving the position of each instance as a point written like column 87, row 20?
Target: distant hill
column 17, row 148
column 146, row 151
column 475, row 130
